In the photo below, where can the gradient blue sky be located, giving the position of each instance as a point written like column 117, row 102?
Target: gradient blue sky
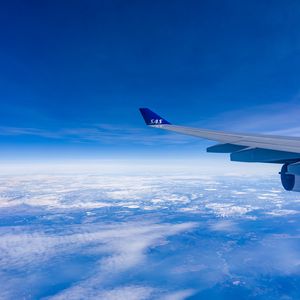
column 74, row 73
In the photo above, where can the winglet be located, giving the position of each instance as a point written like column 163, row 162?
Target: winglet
column 151, row 118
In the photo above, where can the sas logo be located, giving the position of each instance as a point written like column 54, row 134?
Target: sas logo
column 156, row 121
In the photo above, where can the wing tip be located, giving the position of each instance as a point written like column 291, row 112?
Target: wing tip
column 151, row 118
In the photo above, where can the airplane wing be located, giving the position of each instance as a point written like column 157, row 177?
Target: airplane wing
column 242, row 147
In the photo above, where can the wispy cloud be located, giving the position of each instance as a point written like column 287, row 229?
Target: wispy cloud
column 126, row 292
column 179, row 295
column 101, row 133
column 126, row 250
column 280, row 118
column 120, row 247
column 277, row 118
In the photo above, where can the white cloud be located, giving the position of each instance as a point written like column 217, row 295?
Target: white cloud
column 124, row 247
column 229, row 209
column 178, row 295
column 282, row 212
column 224, row 225
column 185, row 193
column 126, row 293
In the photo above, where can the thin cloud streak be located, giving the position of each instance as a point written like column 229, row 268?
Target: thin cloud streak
column 104, row 133
column 277, row 118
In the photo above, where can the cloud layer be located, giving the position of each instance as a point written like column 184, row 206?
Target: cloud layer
column 87, row 236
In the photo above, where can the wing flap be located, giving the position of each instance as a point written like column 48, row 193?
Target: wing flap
column 225, row 148
column 264, row 155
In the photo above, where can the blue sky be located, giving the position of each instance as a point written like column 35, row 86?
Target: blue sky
column 73, row 74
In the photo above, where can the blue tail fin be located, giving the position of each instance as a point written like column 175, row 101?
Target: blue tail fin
column 151, row 118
